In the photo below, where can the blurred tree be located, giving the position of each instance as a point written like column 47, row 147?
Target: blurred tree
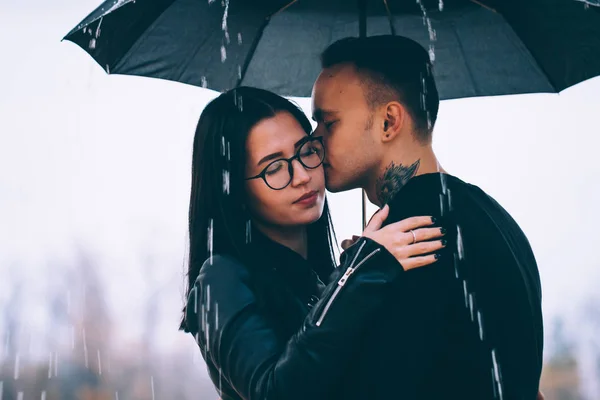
column 560, row 376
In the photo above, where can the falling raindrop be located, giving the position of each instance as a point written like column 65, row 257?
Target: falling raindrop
column 223, row 146
column 220, row 382
column 449, row 197
column 92, row 45
column 210, row 240
column 50, row 366
column 107, row 69
column 459, row 243
column 17, row 362
column 85, row 30
column 207, row 298
column 195, row 300
column 480, row 325
column 152, row 386
column 248, row 231
column 55, row 364
column 43, row 397
column 216, row 315
column 223, row 54
column 99, row 364
column 228, row 152
column 240, row 103
column 98, row 28
column 20, row 396
column 203, row 82
column 239, row 72
column 85, row 350
column 225, row 181
column 431, row 31
column 207, row 332
column 443, row 180
column 225, row 16
column 471, row 306
column 239, row 36
column 441, row 5
column 116, row 395
column 466, row 293
column 210, row 2
column 497, row 376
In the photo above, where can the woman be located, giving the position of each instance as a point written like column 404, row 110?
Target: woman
column 260, row 239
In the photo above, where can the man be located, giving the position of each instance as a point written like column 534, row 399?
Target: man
column 469, row 327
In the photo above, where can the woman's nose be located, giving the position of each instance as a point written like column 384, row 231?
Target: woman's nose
column 301, row 175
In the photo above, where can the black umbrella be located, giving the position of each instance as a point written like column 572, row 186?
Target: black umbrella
column 479, row 47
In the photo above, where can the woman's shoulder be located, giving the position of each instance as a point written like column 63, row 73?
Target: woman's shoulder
column 221, row 267
column 223, row 284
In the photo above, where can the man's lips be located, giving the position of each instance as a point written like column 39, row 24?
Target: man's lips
column 307, row 196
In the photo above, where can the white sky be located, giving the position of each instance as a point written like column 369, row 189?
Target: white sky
column 105, row 161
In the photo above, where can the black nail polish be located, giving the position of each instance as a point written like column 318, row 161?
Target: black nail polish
column 433, row 220
column 437, row 256
column 443, row 231
column 444, row 242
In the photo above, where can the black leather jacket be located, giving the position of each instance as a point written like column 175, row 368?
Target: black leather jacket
column 251, row 356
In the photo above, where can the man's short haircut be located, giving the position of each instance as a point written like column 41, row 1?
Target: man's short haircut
column 392, row 68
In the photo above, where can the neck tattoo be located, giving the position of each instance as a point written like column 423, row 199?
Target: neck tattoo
column 393, row 179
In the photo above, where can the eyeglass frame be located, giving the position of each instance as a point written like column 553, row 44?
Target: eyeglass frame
column 289, row 161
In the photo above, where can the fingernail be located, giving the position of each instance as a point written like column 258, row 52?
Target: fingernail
column 443, row 231
column 444, row 242
column 433, row 220
column 437, row 256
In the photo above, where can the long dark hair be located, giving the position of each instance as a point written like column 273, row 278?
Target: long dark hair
column 218, row 218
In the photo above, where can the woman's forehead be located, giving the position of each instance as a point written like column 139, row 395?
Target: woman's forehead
column 279, row 133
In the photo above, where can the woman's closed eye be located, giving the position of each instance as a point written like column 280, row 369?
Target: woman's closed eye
column 309, row 152
column 274, row 168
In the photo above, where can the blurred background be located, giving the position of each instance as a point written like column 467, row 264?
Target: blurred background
column 94, row 186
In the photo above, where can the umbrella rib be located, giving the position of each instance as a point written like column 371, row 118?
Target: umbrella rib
column 257, row 38
column 390, row 18
column 484, row 6
column 283, row 8
column 252, row 51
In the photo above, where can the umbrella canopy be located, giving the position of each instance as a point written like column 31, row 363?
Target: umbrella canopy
column 479, row 47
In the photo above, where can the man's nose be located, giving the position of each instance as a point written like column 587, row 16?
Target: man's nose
column 301, row 175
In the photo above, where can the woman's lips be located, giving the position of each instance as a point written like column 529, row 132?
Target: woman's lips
column 308, row 199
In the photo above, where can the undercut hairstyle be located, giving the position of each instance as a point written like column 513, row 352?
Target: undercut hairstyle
column 391, row 68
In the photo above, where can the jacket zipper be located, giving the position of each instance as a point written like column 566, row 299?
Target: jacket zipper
column 342, row 281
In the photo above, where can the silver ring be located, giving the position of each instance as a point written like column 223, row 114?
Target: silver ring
column 414, row 237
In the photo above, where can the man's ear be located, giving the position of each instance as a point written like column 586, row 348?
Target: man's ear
column 393, row 120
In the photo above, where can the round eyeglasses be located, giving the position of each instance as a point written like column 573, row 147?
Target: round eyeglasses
column 279, row 173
